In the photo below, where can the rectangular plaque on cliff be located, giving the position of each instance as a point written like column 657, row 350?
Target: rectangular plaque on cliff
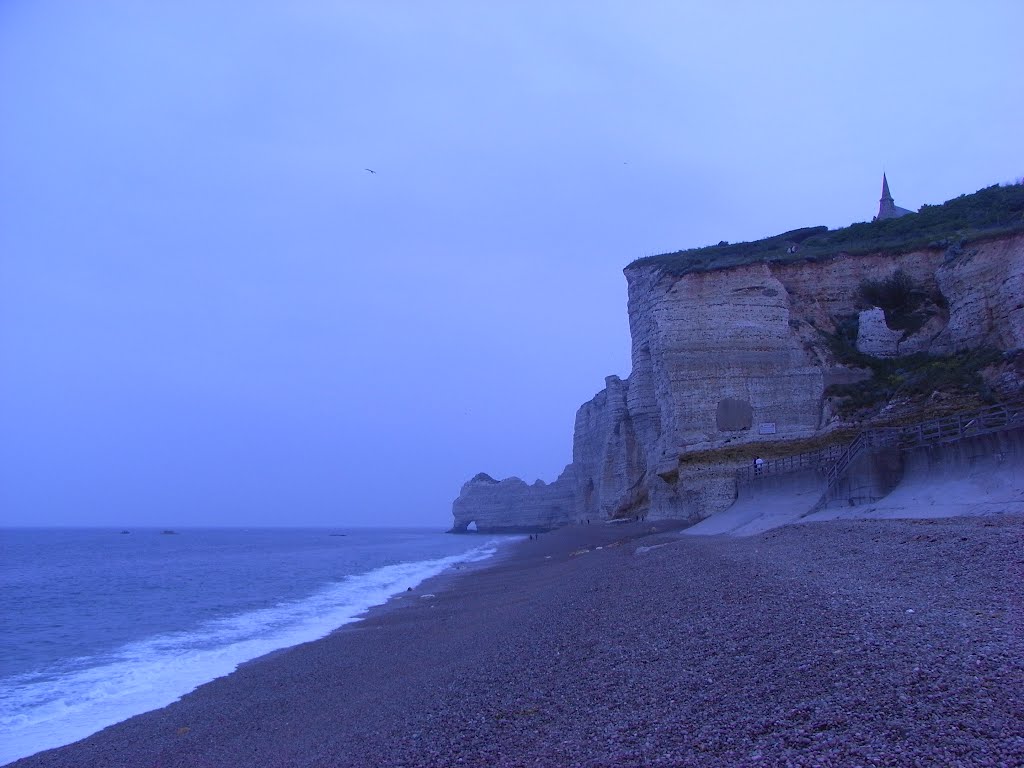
column 766, row 428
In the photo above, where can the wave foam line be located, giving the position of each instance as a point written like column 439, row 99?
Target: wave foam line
column 57, row 706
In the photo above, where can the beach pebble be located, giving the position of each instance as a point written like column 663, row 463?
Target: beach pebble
column 777, row 650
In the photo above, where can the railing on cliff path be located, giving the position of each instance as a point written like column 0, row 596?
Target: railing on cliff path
column 794, row 463
column 946, row 429
column 835, row 460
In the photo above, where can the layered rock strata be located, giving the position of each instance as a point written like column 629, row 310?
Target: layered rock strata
column 512, row 506
column 736, row 356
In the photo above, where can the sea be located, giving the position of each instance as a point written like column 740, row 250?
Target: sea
column 99, row 625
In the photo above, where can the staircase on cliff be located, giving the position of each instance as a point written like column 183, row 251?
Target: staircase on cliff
column 835, row 461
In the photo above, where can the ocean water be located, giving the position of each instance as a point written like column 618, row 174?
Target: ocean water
column 97, row 626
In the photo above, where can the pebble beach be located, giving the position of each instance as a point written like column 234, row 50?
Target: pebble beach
column 838, row 643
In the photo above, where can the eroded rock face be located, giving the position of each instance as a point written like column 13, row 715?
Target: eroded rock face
column 607, row 453
column 984, row 285
column 728, row 361
column 512, row 506
column 739, row 356
column 874, row 337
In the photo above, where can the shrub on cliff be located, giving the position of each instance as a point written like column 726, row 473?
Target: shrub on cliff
column 915, row 377
column 907, row 307
column 991, row 212
column 895, row 293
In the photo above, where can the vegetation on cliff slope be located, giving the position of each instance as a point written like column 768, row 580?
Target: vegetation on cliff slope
column 907, row 305
column 988, row 213
column 916, row 377
column 913, row 378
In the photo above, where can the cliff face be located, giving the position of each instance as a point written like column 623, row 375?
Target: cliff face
column 985, row 289
column 736, row 356
column 512, row 506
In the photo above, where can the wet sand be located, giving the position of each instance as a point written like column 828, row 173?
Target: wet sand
column 834, row 643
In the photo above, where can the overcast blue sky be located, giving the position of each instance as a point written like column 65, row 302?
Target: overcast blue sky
column 211, row 314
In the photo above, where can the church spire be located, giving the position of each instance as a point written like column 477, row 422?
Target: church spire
column 885, row 189
column 887, row 209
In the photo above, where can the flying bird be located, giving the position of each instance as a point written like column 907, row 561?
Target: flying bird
column 370, row 170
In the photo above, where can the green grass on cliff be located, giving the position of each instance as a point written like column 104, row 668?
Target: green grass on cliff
column 913, row 378
column 916, row 377
column 988, row 213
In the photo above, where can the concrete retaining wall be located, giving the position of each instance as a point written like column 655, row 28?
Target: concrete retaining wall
column 974, row 476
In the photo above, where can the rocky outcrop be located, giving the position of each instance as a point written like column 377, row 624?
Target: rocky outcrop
column 607, row 453
column 721, row 354
column 511, row 506
column 984, row 286
column 874, row 337
column 735, row 356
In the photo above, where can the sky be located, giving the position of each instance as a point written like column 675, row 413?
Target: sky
column 212, row 314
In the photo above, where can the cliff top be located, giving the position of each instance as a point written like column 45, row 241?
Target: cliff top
column 990, row 212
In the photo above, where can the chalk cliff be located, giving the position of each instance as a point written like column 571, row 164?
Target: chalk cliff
column 512, row 506
column 730, row 357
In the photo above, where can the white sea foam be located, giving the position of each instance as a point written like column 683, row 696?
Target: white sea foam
column 53, row 707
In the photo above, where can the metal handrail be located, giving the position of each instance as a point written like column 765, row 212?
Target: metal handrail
column 794, row 463
column 944, row 429
column 836, row 460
